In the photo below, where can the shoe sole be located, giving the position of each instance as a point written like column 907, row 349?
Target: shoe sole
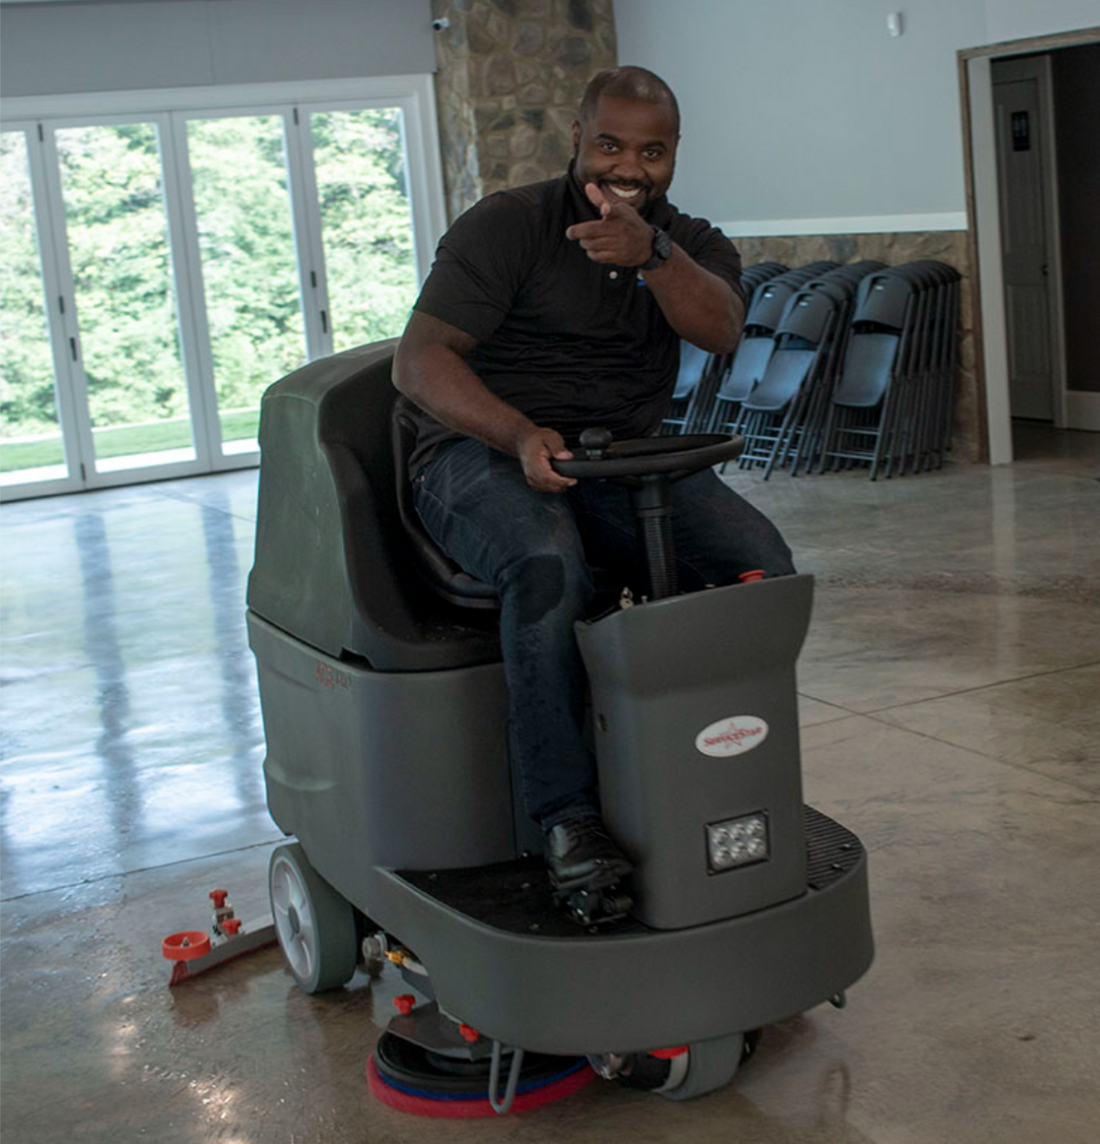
column 600, row 879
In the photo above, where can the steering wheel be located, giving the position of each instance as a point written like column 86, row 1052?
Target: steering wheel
column 599, row 456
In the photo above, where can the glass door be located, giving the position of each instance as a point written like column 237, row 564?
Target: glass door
column 243, row 227
column 118, row 260
column 366, row 222
column 32, row 449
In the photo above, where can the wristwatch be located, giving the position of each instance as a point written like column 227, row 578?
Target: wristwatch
column 662, row 250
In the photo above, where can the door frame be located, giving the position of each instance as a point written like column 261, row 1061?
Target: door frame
column 975, row 74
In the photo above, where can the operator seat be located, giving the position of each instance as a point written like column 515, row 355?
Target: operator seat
column 336, row 566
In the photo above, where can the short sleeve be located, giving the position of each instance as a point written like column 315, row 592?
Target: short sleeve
column 479, row 266
column 708, row 246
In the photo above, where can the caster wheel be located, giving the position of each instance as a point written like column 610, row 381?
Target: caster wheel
column 374, row 958
column 706, row 1067
column 711, row 1065
column 314, row 924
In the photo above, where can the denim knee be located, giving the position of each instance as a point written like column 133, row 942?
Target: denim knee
column 544, row 583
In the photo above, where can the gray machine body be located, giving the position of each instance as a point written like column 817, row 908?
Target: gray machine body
column 385, row 713
column 661, row 675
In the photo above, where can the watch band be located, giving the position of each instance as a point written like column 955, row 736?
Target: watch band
column 662, row 250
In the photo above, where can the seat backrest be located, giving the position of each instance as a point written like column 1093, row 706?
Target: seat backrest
column 883, row 299
column 809, row 313
column 334, row 565
column 787, row 371
column 694, row 363
column 768, row 304
column 868, row 365
column 749, row 364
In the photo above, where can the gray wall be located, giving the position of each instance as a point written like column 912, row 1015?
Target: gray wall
column 49, row 49
column 804, row 109
column 1017, row 19
column 1076, row 75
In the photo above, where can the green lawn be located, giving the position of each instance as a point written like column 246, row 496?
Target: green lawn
column 126, row 440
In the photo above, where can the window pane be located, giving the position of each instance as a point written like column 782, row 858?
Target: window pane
column 366, row 223
column 118, row 245
column 30, row 434
column 246, row 243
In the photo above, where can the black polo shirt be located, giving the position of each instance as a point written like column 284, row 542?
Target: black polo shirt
column 569, row 342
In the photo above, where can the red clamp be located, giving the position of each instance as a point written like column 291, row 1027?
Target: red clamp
column 218, row 898
column 231, row 926
column 469, row 1033
column 404, row 1003
column 668, row 1054
column 751, row 576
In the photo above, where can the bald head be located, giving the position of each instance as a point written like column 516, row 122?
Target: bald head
column 627, row 83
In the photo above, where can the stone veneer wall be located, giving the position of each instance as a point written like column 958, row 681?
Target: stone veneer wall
column 948, row 246
column 510, row 78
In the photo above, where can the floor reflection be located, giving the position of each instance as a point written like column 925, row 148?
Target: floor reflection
column 112, row 693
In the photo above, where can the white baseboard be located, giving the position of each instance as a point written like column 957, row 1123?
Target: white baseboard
column 862, row 224
column 1082, row 410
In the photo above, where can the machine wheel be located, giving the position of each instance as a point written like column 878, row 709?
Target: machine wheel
column 705, row 1067
column 314, row 924
column 711, row 1065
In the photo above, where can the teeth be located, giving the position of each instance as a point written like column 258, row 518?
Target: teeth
column 626, row 192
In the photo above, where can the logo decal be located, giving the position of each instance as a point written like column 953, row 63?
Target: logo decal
column 732, row 736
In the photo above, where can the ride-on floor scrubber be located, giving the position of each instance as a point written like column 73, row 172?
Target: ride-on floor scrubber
column 385, row 713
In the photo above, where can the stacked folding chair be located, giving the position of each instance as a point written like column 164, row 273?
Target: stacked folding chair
column 752, row 277
column 766, row 306
column 891, row 407
column 698, row 371
column 778, row 417
column 701, row 375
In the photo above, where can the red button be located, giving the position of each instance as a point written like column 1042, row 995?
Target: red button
column 404, row 1003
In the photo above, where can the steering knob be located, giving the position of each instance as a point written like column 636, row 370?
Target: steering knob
column 594, row 442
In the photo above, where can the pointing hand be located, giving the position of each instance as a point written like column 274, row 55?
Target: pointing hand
column 619, row 237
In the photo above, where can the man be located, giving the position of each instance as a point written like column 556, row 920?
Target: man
column 550, row 309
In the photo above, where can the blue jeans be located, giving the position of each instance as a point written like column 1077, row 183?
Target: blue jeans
column 537, row 550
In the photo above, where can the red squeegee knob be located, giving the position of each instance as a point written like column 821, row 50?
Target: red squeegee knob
column 185, row 946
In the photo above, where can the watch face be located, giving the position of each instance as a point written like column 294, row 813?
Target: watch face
column 662, row 248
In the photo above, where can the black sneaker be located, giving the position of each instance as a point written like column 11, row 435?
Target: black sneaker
column 580, row 852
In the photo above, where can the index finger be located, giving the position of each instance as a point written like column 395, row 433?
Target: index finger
column 585, row 229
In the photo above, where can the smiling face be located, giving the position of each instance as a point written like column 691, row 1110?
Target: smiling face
column 627, row 147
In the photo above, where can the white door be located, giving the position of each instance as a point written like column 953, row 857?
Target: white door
column 1025, row 241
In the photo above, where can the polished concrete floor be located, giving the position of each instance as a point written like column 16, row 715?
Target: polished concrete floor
column 951, row 711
